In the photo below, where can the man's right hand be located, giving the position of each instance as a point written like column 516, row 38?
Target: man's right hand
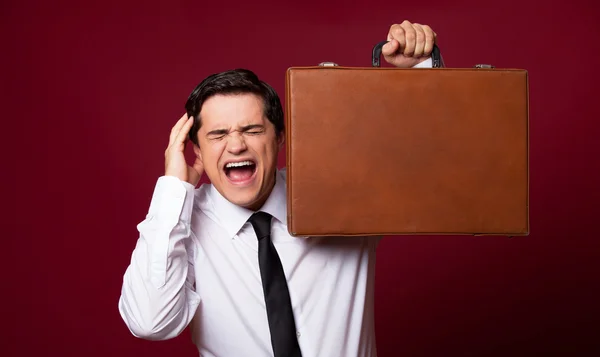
column 175, row 164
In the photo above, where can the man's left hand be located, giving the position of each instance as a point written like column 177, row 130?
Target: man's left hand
column 409, row 44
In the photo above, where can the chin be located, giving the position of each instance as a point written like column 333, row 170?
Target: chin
column 245, row 194
column 251, row 196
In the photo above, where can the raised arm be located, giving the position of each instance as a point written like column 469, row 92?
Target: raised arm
column 158, row 299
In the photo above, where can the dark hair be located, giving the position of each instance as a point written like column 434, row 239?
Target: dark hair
column 237, row 81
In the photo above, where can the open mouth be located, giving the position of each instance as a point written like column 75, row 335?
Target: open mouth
column 239, row 172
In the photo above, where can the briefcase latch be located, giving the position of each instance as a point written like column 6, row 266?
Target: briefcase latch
column 328, row 64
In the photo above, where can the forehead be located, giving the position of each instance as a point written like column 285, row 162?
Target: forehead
column 231, row 110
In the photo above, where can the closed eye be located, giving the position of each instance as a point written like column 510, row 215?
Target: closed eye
column 253, row 129
column 216, row 134
column 254, row 132
column 216, row 137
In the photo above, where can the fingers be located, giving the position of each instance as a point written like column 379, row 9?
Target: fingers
column 177, row 128
column 429, row 40
column 415, row 40
column 390, row 48
column 397, row 33
column 420, row 41
column 410, row 36
column 183, row 133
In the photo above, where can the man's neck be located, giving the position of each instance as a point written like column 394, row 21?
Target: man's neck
column 259, row 203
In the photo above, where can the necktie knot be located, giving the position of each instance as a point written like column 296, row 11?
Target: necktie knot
column 261, row 221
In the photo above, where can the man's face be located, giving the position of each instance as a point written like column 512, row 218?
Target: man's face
column 239, row 148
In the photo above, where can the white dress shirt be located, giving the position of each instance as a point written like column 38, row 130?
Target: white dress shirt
column 196, row 264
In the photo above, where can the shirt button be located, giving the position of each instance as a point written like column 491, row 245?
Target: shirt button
column 298, row 333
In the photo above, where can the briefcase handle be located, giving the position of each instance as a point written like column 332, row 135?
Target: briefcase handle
column 435, row 55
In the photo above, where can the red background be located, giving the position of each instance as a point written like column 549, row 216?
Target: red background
column 91, row 90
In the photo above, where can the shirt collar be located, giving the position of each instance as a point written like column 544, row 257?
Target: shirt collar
column 233, row 217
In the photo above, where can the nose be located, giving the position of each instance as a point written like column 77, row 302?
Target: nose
column 236, row 144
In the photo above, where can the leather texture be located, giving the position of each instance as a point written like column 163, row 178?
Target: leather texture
column 391, row 151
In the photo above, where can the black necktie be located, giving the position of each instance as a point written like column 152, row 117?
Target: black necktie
column 277, row 296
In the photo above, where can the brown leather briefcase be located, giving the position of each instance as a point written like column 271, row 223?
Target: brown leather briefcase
column 391, row 151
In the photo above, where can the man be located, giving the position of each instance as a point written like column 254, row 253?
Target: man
column 206, row 258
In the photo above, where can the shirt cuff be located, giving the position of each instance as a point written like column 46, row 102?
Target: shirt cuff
column 428, row 63
column 172, row 200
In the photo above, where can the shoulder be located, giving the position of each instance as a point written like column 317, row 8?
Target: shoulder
column 204, row 217
column 202, row 200
column 205, row 206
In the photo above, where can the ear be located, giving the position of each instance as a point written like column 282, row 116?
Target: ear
column 197, row 151
column 281, row 139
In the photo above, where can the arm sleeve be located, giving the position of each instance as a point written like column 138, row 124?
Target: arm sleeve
column 158, row 299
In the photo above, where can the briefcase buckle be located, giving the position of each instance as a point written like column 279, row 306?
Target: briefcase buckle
column 328, row 64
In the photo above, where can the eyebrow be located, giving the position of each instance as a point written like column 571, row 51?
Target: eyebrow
column 244, row 128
